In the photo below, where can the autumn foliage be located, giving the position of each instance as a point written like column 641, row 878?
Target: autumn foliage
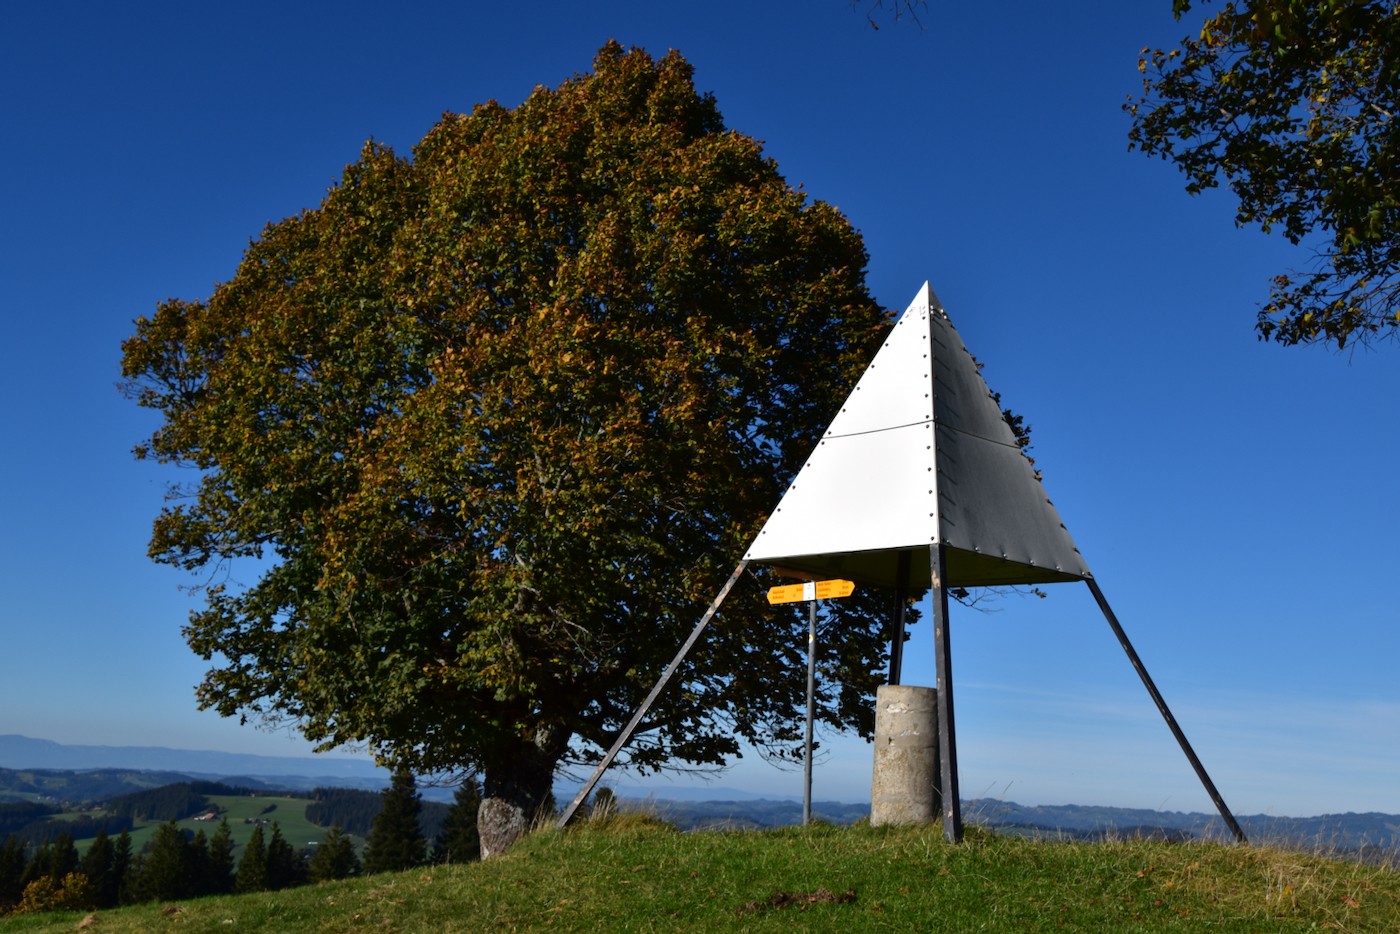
column 499, row 419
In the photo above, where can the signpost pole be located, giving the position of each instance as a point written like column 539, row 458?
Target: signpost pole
column 901, row 601
column 810, row 592
column 811, row 708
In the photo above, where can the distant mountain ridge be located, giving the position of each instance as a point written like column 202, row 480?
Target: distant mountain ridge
column 1341, row 832
column 23, row 752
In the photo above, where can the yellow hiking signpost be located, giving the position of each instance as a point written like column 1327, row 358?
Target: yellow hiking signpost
column 811, row 590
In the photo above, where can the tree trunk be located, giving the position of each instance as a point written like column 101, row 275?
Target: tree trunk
column 514, row 790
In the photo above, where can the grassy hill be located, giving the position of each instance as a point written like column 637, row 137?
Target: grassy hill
column 289, row 814
column 635, row 874
column 205, row 805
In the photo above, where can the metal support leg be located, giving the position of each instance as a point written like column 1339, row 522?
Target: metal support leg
column 949, row 801
column 1225, row 814
column 626, row 734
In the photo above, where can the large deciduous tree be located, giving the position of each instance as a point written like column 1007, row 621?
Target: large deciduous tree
column 499, row 419
column 1292, row 104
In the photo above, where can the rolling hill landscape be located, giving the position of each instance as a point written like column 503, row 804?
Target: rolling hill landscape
column 707, row 865
column 23, row 752
column 39, row 770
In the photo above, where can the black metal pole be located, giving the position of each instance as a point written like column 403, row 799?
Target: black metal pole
column 949, row 801
column 901, row 602
column 626, row 734
column 811, row 709
column 1157, row 698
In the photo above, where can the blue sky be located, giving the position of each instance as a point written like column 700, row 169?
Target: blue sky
column 1235, row 500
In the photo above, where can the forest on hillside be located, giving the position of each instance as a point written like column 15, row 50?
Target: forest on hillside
column 85, row 856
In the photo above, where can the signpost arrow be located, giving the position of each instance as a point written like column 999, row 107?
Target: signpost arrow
column 811, row 590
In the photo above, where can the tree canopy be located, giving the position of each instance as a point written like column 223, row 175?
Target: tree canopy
column 1292, row 103
column 498, row 419
column 897, row 10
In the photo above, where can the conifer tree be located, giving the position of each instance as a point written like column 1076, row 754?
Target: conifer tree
column 37, row 866
column 197, row 864
column 98, row 866
column 252, row 867
column 396, row 840
column 459, row 840
column 336, row 857
column 12, row 865
column 220, row 865
column 63, row 857
column 121, row 867
column 164, row 872
column 284, row 865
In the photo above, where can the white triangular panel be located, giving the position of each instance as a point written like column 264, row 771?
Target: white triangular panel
column 876, row 453
column 918, row 454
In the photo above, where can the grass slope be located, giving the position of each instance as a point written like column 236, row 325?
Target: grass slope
column 634, row 874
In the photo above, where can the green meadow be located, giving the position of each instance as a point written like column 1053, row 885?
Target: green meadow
column 241, row 810
column 634, row 873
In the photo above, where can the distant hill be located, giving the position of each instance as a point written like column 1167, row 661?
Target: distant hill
column 293, row 772
column 74, row 787
column 1342, row 832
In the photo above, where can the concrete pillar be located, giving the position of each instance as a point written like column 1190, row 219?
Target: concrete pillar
column 905, row 785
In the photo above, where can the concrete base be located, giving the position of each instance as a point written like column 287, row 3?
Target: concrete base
column 905, row 785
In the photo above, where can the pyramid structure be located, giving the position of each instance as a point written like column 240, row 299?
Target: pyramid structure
column 918, row 470
column 920, row 455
